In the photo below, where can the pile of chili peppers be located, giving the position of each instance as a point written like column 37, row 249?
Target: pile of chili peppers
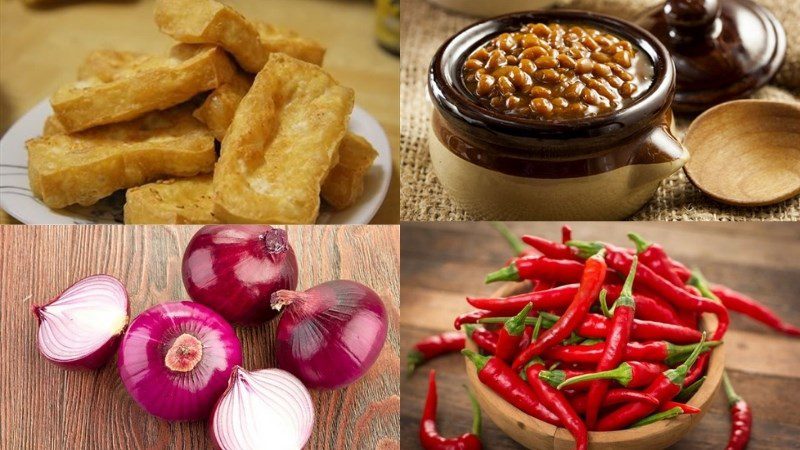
column 608, row 338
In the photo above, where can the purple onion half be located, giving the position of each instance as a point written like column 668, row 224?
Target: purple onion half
column 234, row 269
column 267, row 408
column 330, row 335
column 80, row 328
column 176, row 358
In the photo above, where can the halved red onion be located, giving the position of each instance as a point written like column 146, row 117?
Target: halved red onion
column 233, row 269
column 80, row 328
column 331, row 334
column 175, row 359
column 267, row 408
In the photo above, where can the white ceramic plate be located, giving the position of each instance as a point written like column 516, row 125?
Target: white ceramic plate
column 17, row 200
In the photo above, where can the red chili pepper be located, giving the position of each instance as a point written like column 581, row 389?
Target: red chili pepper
column 566, row 234
column 556, row 401
column 665, row 387
column 591, row 282
column 687, row 409
column 535, row 268
column 551, row 249
column 743, row 304
column 741, row 417
column 506, row 383
column 559, row 297
column 614, row 397
column 428, row 434
column 659, row 351
column 629, row 374
column 654, row 257
column 433, row 346
column 510, row 335
column 619, row 332
column 596, row 326
column 680, row 298
column 485, row 340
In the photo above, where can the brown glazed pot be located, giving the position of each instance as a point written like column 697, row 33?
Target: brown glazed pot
column 502, row 167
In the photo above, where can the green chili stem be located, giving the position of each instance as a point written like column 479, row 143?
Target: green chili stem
column 641, row 244
column 733, row 397
column 622, row 374
column 513, row 240
column 688, row 392
column 479, row 360
column 586, row 249
column 678, row 374
column 516, row 325
column 536, row 329
column 476, row 413
column 699, row 281
column 604, row 305
column 508, row 273
column 668, row 414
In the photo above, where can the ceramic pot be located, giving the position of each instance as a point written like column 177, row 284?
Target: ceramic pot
column 501, row 167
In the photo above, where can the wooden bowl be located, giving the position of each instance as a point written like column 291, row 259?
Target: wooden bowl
column 746, row 152
column 535, row 434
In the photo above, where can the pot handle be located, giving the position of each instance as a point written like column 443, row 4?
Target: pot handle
column 671, row 155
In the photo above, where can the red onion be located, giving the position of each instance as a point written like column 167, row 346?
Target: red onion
column 80, row 328
column 331, row 334
column 267, row 408
column 234, row 269
column 176, row 358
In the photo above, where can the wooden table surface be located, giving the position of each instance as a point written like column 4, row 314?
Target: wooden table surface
column 43, row 406
column 442, row 263
column 42, row 47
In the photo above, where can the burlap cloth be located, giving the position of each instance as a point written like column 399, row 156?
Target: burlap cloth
column 424, row 27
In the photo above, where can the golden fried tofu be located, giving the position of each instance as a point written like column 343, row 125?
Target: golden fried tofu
column 288, row 42
column 107, row 65
column 219, row 107
column 159, row 84
column 84, row 167
column 345, row 182
column 178, row 201
column 211, row 22
column 281, row 144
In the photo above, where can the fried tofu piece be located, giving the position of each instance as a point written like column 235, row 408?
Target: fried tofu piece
column 177, row 201
column 157, row 85
column 84, row 167
column 211, row 22
column 277, row 40
column 345, row 182
column 219, row 107
column 53, row 126
column 189, row 200
column 107, row 65
column 281, row 144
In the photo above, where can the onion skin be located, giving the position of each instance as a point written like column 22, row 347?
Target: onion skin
column 234, row 269
column 99, row 357
column 330, row 335
column 265, row 406
column 161, row 391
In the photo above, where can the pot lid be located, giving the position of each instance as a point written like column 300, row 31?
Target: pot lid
column 723, row 49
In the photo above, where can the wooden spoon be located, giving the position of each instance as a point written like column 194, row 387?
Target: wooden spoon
column 746, row 152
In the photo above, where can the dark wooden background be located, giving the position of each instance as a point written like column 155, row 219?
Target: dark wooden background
column 46, row 407
column 442, row 263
